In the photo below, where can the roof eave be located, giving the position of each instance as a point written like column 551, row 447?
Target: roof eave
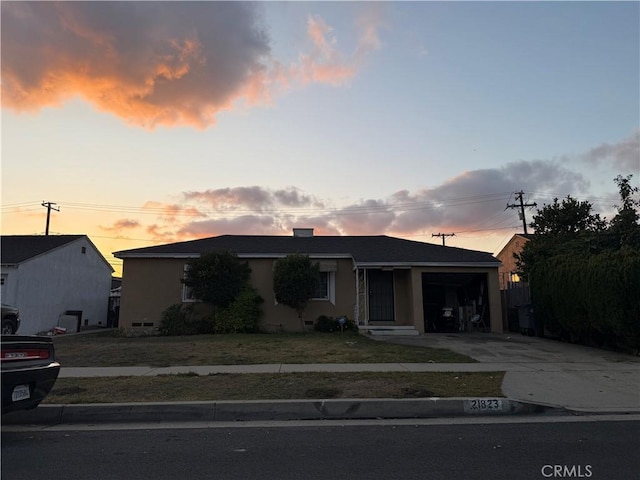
column 426, row 264
column 123, row 255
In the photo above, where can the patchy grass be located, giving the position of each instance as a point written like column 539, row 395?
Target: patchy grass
column 110, row 349
column 191, row 387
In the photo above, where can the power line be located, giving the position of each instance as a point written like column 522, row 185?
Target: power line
column 193, row 210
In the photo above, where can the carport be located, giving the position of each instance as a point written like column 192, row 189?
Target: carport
column 451, row 300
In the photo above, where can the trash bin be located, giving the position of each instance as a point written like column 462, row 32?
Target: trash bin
column 526, row 320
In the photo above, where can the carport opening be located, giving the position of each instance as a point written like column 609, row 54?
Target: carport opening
column 451, row 300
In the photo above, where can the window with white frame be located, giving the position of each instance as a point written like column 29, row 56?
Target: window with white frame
column 326, row 288
column 187, row 292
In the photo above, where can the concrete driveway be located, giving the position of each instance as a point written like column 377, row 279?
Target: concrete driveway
column 547, row 371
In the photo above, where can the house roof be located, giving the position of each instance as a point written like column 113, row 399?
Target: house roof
column 19, row 248
column 365, row 250
column 16, row 249
column 525, row 236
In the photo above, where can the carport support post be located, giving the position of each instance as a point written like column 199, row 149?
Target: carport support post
column 416, row 299
column 495, row 304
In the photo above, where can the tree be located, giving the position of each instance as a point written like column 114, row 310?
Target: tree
column 625, row 225
column 217, row 277
column 561, row 228
column 570, row 217
column 295, row 279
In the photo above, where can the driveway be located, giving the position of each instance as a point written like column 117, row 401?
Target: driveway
column 547, row 371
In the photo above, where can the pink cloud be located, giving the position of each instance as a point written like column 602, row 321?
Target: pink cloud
column 156, row 63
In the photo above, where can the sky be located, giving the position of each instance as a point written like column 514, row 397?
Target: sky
column 154, row 122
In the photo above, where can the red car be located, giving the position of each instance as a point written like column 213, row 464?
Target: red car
column 28, row 371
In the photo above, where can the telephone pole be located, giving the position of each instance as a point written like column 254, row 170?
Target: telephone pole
column 443, row 235
column 50, row 207
column 519, row 196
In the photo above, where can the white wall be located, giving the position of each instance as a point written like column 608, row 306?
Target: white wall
column 46, row 286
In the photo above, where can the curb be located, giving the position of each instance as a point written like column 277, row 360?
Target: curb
column 259, row 410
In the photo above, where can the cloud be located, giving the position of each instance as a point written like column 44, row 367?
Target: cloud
column 152, row 63
column 326, row 64
column 473, row 200
column 170, row 213
column 123, row 224
column 254, row 197
column 159, row 63
column 623, row 156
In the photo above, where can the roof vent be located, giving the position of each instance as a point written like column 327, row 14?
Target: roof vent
column 303, row 232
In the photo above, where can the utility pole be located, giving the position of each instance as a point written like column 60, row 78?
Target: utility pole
column 443, row 235
column 519, row 196
column 50, row 207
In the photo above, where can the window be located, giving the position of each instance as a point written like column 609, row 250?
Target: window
column 187, row 292
column 325, row 289
column 322, row 289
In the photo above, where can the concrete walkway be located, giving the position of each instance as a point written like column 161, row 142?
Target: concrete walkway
column 547, row 371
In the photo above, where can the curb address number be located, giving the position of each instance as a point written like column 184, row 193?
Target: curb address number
column 483, row 405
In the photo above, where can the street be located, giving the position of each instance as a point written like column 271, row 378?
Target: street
column 598, row 448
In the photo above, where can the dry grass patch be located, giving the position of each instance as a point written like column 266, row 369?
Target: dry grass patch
column 191, row 387
column 108, row 349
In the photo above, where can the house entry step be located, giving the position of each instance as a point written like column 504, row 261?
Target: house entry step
column 405, row 330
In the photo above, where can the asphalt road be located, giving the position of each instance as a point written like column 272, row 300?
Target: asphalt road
column 575, row 449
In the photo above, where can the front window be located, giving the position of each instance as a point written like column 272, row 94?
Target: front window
column 322, row 289
column 325, row 290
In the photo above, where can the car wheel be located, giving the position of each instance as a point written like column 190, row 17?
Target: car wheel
column 7, row 328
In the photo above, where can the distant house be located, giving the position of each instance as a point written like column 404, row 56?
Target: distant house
column 55, row 280
column 383, row 283
column 507, row 271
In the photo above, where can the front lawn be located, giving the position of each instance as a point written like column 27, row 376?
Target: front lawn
column 251, row 386
column 111, row 349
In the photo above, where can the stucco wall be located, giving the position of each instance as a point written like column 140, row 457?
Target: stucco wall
column 508, row 262
column 402, row 294
column 46, row 286
column 280, row 317
column 149, row 286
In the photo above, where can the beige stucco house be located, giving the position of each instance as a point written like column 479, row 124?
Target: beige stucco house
column 383, row 283
column 507, row 271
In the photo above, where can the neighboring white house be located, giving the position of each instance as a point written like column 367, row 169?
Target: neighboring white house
column 54, row 280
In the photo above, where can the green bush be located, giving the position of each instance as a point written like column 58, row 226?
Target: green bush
column 241, row 316
column 180, row 319
column 330, row 324
column 590, row 298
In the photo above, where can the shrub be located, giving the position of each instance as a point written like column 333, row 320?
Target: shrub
column 330, row 324
column 241, row 316
column 295, row 279
column 180, row 319
column 217, row 278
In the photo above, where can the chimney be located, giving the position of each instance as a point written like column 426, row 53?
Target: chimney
column 303, row 232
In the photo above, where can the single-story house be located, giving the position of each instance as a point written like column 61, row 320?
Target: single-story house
column 54, row 280
column 380, row 282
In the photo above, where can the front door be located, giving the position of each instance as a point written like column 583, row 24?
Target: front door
column 381, row 305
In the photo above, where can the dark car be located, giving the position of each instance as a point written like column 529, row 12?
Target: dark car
column 10, row 319
column 28, row 371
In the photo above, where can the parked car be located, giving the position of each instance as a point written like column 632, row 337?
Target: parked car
column 10, row 319
column 28, row 370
